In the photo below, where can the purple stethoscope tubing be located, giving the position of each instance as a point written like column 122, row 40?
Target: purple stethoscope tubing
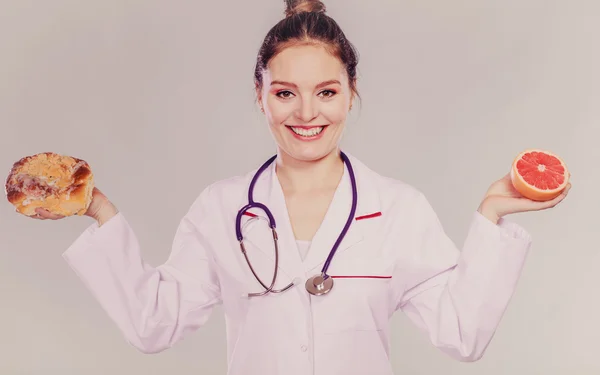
column 323, row 277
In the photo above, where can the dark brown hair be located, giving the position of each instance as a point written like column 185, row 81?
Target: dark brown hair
column 306, row 22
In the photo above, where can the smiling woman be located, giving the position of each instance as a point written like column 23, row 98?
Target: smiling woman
column 306, row 97
column 305, row 79
column 343, row 247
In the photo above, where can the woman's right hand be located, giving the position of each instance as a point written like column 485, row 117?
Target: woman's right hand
column 100, row 209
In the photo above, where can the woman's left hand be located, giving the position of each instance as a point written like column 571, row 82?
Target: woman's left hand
column 503, row 199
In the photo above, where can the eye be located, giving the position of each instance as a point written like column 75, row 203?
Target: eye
column 284, row 94
column 327, row 93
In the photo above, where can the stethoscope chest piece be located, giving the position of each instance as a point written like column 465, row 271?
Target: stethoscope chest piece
column 319, row 285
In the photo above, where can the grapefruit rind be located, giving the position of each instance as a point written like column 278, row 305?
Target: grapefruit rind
column 530, row 191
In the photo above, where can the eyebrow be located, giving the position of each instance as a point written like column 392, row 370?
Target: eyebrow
column 322, row 84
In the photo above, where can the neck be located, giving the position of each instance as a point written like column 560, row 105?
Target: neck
column 304, row 176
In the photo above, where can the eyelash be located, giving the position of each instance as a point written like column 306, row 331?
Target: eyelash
column 331, row 93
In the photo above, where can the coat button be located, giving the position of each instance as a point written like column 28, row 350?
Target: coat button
column 303, row 348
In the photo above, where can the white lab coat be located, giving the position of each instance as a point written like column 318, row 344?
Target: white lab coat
column 395, row 256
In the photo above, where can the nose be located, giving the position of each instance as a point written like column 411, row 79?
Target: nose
column 307, row 110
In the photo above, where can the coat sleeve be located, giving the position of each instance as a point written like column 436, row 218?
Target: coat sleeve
column 459, row 297
column 154, row 307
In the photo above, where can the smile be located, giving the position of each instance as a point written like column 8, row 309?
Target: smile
column 307, row 132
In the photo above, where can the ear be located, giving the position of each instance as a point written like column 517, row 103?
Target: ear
column 353, row 95
column 259, row 99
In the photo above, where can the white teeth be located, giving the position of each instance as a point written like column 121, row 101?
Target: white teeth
column 307, row 132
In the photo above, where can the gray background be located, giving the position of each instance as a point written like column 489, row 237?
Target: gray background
column 158, row 98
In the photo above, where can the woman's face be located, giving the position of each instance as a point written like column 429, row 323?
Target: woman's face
column 306, row 97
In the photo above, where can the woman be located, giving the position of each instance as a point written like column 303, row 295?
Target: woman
column 393, row 256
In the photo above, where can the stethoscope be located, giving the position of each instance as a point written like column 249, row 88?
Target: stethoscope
column 316, row 285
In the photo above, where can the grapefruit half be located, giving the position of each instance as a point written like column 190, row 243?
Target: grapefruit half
column 539, row 175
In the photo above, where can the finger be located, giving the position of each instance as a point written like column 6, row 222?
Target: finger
column 54, row 217
column 557, row 200
column 537, row 206
column 560, row 198
column 45, row 214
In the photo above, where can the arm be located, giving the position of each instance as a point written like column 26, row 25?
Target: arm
column 459, row 298
column 153, row 307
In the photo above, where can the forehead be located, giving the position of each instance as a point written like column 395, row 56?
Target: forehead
column 305, row 64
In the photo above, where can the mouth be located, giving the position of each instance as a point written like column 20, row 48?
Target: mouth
column 307, row 132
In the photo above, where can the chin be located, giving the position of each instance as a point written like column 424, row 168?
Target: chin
column 309, row 154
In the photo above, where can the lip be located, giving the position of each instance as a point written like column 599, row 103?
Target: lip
column 306, row 126
column 307, row 139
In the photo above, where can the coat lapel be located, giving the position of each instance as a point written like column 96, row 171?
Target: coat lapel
column 361, row 226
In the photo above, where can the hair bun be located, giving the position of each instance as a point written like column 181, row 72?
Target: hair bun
column 298, row 6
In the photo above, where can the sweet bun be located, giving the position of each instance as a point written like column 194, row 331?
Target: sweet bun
column 61, row 184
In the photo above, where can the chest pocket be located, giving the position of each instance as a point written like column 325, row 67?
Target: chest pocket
column 359, row 299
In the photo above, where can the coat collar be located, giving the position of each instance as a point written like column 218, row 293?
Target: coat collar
column 269, row 192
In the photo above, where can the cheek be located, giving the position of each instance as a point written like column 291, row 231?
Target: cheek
column 278, row 112
column 335, row 113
